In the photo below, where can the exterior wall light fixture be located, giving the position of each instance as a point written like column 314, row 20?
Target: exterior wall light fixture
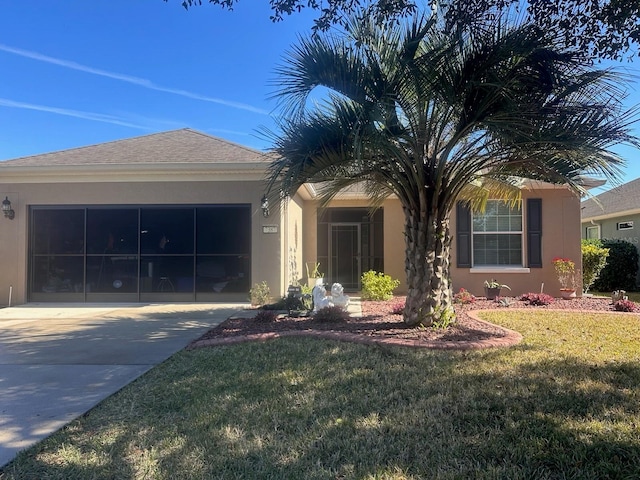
column 264, row 205
column 7, row 210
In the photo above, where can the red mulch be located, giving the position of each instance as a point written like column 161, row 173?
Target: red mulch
column 379, row 321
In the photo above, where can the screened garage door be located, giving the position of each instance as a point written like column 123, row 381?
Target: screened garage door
column 139, row 253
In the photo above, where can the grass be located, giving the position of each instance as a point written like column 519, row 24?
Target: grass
column 563, row 404
column 633, row 296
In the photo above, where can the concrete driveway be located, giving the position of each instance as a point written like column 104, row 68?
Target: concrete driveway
column 57, row 362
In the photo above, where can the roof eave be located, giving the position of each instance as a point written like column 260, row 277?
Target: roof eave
column 608, row 216
column 115, row 172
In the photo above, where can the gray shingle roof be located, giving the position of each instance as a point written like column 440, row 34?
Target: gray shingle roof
column 619, row 199
column 176, row 146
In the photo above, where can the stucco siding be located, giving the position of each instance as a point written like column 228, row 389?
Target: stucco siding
column 394, row 244
column 560, row 238
column 294, row 268
column 266, row 248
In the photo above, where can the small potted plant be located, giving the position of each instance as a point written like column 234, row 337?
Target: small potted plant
column 313, row 274
column 492, row 288
column 566, row 273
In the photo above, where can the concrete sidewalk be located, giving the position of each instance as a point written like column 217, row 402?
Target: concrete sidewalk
column 57, row 362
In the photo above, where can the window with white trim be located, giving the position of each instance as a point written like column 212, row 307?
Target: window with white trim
column 497, row 235
column 593, row 232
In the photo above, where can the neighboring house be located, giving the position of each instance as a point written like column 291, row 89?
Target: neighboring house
column 614, row 214
column 177, row 216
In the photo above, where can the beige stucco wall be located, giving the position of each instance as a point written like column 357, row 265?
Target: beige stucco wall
column 560, row 238
column 394, row 245
column 393, row 235
column 278, row 258
column 293, row 244
column 309, row 235
column 266, row 248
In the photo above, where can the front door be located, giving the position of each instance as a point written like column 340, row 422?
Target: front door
column 344, row 255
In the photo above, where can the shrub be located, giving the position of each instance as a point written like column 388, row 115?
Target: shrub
column 464, row 297
column 624, row 306
column 281, row 304
column 331, row 315
column 594, row 259
column 260, row 294
column 378, row 286
column 307, row 296
column 266, row 316
column 502, row 301
column 443, row 318
column 537, row 299
column 621, row 269
column 398, row 308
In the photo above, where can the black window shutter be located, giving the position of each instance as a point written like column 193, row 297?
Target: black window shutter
column 463, row 235
column 534, row 232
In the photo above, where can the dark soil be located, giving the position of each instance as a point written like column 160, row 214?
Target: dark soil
column 378, row 320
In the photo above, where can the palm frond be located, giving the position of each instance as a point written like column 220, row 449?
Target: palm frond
column 414, row 110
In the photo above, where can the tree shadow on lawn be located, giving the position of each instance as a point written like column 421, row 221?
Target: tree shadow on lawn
column 303, row 408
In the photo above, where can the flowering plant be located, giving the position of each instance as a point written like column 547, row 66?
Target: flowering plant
column 464, row 297
column 566, row 272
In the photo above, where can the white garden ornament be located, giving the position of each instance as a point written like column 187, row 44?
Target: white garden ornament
column 322, row 300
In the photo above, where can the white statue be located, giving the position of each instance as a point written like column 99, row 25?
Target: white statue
column 338, row 298
column 320, row 299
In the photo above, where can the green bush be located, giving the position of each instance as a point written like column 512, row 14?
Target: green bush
column 260, row 294
column 443, row 318
column 307, row 296
column 378, row 286
column 621, row 269
column 594, row 259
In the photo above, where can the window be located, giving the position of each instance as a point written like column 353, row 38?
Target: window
column 593, row 232
column 497, row 235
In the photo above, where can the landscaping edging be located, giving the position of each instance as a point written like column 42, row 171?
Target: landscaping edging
column 509, row 339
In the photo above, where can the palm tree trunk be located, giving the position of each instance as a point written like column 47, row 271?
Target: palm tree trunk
column 428, row 246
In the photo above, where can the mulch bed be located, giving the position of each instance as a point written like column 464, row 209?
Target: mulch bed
column 379, row 322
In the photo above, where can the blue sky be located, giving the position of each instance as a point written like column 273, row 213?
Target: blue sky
column 77, row 73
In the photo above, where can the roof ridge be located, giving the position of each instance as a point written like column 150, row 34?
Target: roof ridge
column 617, row 189
column 70, row 149
column 621, row 198
column 224, row 140
column 182, row 136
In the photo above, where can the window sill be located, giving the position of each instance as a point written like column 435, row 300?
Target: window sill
column 499, row 270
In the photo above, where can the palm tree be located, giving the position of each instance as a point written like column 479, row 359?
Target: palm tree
column 434, row 118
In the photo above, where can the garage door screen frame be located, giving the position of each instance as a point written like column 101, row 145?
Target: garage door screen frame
column 139, row 253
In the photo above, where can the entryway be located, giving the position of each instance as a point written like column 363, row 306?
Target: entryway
column 350, row 242
column 344, row 254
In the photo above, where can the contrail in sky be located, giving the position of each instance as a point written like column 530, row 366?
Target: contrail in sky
column 98, row 117
column 141, row 82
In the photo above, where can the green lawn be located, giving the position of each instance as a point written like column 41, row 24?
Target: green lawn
column 563, row 404
column 633, row 296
